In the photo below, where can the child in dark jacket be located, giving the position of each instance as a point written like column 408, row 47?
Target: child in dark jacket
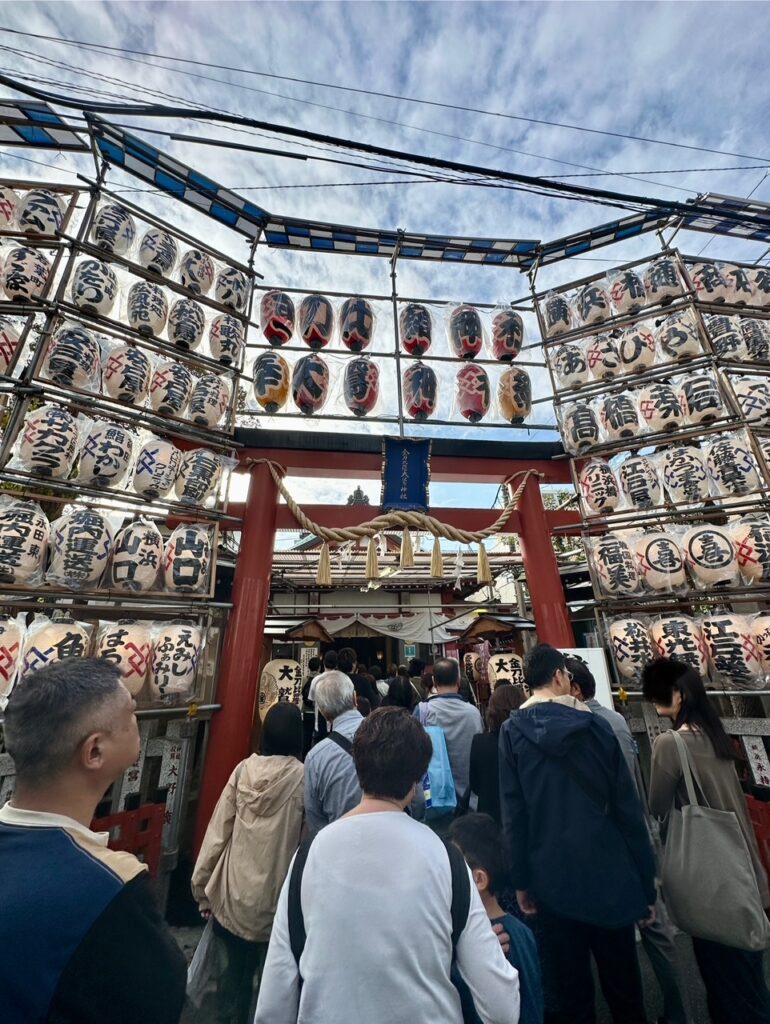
column 480, row 840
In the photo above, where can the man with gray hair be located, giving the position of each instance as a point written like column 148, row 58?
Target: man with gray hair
column 331, row 783
column 74, row 913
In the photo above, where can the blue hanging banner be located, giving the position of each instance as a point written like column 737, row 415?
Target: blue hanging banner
column 405, row 475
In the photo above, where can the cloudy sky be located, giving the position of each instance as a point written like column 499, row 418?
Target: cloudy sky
column 690, row 74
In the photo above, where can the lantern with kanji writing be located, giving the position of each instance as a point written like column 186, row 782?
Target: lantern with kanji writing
column 271, row 381
column 209, row 400
column 81, row 546
column 137, row 556
column 740, row 286
column 25, row 274
column 760, row 280
column 113, row 229
column 316, row 321
column 9, row 342
column 514, row 394
column 48, row 642
column 505, row 668
column 276, row 317
column 232, row 289
column 281, row 680
column 507, row 335
column 701, row 400
column 157, row 465
column 727, row 337
column 709, row 282
column 126, row 645
column 40, row 212
column 472, row 392
column 185, row 323
column 754, row 400
column 602, row 356
column 710, row 555
column 94, row 287
column 756, row 338
column 24, row 536
column 420, row 391
column 659, row 561
column 73, row 358
column 599, row 486
column 627, row 292
column 49, row 442
column 148, row 308
column 176, row 651
column 187, row 559
column 592, row 303
column 760, row 629
column 196, row 272
column 356, row 324
column 158, row 252
column 661, row 281
column 170, row 388
column 106, row 455
column 9, row 208
column 615, row 565
column 684, row 475
column 679, row 637
column 226, row 339
column 659, row 407
column 556, row 315
column 636, row 349
column 731, row 465
column 732, row 649
column 416, row 329
column 310, row 384
column 618, row 416
column 466, row 335
column 570, row 366
column 11, row 642
column 126, row 374
column 751, row 539
column 639, row 482
column 361, row 386
column 199, row 475
column 631, row 646
column 580, row 428
column 677, row 335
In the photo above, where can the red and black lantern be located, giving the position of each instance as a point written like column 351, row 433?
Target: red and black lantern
column 416, row 329
column 276, row 317
column 420, row 391
column 316, row 321
column 361, row 386
column 473, row 392
column 356, row 324
column 310, row 384
column 465, row 332
column 507, row 335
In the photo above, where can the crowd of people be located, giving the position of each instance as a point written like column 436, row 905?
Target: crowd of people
column 387, row 856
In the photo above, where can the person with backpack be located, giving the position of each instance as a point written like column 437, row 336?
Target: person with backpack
column 250, row 840
column 308, row 706
column 359, row 939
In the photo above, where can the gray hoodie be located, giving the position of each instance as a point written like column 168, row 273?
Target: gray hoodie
column 460, row 722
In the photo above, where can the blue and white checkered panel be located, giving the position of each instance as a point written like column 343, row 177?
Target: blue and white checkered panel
column 287, row 233
column 754, row 216
column 146, row 162
column 29, row 123
column 604, row 234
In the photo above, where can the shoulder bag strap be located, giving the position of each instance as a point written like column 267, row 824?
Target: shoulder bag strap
column 341, row 741
column 689, row 771
column 461, row 893
column 297, row 935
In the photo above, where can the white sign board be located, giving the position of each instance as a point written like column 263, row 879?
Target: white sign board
column 596, row 660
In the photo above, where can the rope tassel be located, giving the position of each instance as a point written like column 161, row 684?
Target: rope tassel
column 407, row 553
column 324, row 574
column 483, row 572
column 372, row 567
column 437, row 561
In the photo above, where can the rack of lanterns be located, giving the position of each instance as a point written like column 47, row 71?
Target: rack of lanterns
column 357, row 346
column 122, row 342
column 661, row 380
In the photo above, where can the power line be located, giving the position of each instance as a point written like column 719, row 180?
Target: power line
column 382, row 95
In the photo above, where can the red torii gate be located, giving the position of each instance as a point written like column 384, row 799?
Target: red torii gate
column 261, row 515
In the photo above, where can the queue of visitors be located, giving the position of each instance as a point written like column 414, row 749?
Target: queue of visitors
column 333, row 892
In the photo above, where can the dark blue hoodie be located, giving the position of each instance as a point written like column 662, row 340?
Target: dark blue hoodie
column 572, row 818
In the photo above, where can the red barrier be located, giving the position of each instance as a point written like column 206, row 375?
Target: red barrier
column 139, row 832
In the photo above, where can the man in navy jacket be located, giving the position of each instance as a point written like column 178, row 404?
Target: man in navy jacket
column 580, row 852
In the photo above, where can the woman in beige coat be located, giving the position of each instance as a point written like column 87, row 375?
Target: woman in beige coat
column 251, row 838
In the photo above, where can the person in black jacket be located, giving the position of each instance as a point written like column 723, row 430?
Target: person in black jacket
column 485, row 770
column 581, row 856
column 347, row 662
column 82, row 939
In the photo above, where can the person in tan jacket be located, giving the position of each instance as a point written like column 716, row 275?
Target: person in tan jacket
column 250, row 841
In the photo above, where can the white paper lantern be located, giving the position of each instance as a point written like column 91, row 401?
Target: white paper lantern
column 727, row 337
column 113, row 229
column 185, row 323
column 627, row 292
column 187, row 559
column 732, row 649
column 49, row 442
column 760, row 629
column 700, row 399
column 9, row 208
column 618, row 417
column 659, row 407
column 196, row 272
column 232, row 289
column 126, row 645
column 73, row 358
column 147, row 308
column 740, row 285
column 751, row 540
column 226, row 339
column 570, row 366
column 175, row 654
column 599, row 486
column 25, row 274
column 754, row 400
column 661, row 281
column 760, row 281
column 158, row 252
column 685, row 476
column 636, row 349
column 171, row 388
column 710, row 555
column 631, row 646
column 11, row 642
column 40, row 212
column 580, row 429
column 9, row 343
column 678, row 336
column 659, row 561
column 756, row 338
column 281, row 680
column 505, row 668
column 81, row 545
column 709, row 282
column 732, row 466
column 137, row 556
column 54, row 641
column 678, row 637
column 615, row 565
column 106, row 455
column 199, row 476
column 24, row 536
column 94, row 287
column 126, row 374
column 157, row 465
column 555, row 312
column 209, row 401
column 593, row 303
column 639, row 483
column 602, row 357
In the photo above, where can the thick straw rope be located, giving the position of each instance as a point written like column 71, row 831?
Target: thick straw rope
column 398, row 520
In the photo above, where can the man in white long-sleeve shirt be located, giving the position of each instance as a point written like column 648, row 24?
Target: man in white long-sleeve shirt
column 376, row 899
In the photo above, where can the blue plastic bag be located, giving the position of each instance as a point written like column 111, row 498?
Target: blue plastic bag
column 438, row 784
